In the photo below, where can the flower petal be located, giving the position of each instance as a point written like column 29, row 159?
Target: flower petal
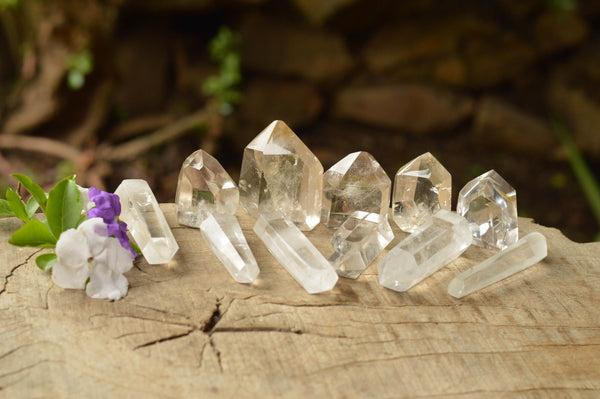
column 105, row 283
column 69, row 277
column 72, row 249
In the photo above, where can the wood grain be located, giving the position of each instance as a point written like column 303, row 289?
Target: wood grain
column 188, row 330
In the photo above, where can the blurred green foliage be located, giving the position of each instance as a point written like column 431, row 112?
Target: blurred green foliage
column 224, row 49
column 79, row 65
column 563, row 5
column 5, row 4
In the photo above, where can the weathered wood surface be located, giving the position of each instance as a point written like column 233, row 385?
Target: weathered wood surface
column 188, row 330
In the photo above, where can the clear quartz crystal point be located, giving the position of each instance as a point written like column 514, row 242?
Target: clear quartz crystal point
column 358, row 241
column 489, row 203
column 295, row 252
column 280, row 174
column 441, row 240
column 146, row 222
column 224, row 236
column 526, row 252
column 421, row 188
column 204, row 187
column 355, row 183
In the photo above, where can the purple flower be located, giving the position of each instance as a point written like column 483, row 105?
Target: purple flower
column 119, row 230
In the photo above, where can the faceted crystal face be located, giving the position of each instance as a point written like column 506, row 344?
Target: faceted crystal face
column 146, row 222
column 204, row 187
column 421, row 188
column 356, row 183
column 441, row 240
column 489, row 203
column 526, row 252
column 280, row 174
column 358, row 241
column 295, row 252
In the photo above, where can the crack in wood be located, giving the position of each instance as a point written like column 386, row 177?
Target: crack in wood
column 10, row 274
column 164, row 339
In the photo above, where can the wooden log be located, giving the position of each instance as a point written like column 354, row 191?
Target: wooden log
column 187, row 329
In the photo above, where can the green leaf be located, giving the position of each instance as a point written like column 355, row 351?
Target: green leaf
column 5, row 209
column 82, row 219
column 64, row 206
column 16, row 204
column 32, row 206
column 33, row 234
column 45, row 261
column 34, row 189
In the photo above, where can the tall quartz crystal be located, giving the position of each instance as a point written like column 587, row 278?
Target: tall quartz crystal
column 280, row 174
column 489, row 203
column 295, row 252
column 204, row 187
column 358, row 241
column 421, row 188
column 355, row 183
column 146, row 222
column 519, row 256
column 207, row 197
column 441, row 240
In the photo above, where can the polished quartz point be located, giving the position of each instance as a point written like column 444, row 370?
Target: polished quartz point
column 358, row 241
column 356, row 183
column 295, row 252
column 421, row 188
column 489, row 203
column 526, row 252
column 224, row 236
column 441, row 240
column 280, row 174
column 145, row 221
column 204, row 187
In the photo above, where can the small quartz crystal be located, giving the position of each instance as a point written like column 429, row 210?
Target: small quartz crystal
column 519, row 256
column 204, row 187
column 358, row 241
column 489, row 203
column 421, row 188
column 280, row 174
column 146, row 221
column 441, row 240
column 295, row 252
column 355, row 183
column 224, row 235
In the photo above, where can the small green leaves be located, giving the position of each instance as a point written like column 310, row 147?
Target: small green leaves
column 34, row 189
column 5, row 209
column 45, row 261
column 15, row 203
column 64, row 206
column 33, row 234
column 31, row 207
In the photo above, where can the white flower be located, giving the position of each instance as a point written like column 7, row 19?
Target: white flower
column 88, row 252
column 85, row 196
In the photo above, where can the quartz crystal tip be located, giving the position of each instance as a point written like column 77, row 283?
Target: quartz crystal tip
column 204, row 187
column 280, row 174
column 146, row 221
column 489, row 203
column 421, row 188
column 355, row 183
column 519, row 256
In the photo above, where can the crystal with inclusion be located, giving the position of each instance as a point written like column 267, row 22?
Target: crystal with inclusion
column 295, row 252
column 489, row 203
column 442, row 239
column 358, row 241
column 421, row 188
column 146, row 222
column 356, row 183
column 280, row 174
column 224, row 235
column 204, row 187
column 526, row 252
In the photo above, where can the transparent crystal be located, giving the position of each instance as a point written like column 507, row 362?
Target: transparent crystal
column 356, row 183
column 442, row 239
column 224, row 236
column 204, row 187
column 146, row 222
column 280, row 174
column 295, row 252
column 489, row 203
column 421, row 188
column 358, row 241
column 526, row 252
